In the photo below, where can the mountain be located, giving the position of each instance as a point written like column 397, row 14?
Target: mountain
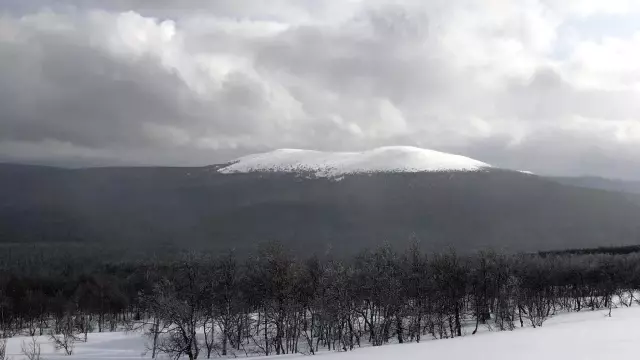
column 313, row 201
column 396, row 159
column 593, row 182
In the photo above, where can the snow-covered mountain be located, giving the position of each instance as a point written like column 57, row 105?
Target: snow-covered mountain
column 405, row 159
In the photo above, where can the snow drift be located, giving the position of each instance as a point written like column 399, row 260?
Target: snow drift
column 583, row 335
column 330, row 164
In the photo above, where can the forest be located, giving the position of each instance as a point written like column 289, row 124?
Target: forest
column 202, row 305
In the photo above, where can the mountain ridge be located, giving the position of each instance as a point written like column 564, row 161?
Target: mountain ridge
column 399, row 159
column 193, row 207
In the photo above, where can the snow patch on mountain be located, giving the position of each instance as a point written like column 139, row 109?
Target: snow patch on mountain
column 333, row 164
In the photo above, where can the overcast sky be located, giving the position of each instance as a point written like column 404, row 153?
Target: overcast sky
column 548, row 86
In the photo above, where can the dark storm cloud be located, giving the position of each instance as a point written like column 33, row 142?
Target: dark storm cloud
column 89, row 101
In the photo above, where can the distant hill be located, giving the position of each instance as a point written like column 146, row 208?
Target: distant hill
column 210, row 207
column 593, row 182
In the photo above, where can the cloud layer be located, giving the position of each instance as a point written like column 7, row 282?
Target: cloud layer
column 545, row 86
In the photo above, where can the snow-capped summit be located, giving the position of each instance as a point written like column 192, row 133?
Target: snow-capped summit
column 330, row 164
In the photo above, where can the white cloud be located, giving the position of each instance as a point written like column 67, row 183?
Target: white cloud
column 485, row 79
column 611, row 63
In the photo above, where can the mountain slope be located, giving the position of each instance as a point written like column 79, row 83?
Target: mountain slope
column 193, row 207
column 600, row 183
column 404, row 159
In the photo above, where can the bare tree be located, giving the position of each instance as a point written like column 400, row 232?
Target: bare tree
column 224, row 303
column 84, row 325
column 3, row 349
column 178, row 302
column 67, row 338
column 156, row 329
column 31, row 349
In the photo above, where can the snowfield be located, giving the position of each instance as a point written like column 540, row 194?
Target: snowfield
column 331, row 164
column 118, row 345
column 583, row 335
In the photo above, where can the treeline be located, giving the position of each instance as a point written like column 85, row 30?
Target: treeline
column 203, row 306
column 599, row 250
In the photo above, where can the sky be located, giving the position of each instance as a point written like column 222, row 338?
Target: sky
column 547, row 86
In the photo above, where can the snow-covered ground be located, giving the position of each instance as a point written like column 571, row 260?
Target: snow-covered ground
column 117, row 345
column 330, row 164
column 584, row 335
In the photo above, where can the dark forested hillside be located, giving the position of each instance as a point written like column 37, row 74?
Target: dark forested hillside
column 198, row 207
column 593, row 182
